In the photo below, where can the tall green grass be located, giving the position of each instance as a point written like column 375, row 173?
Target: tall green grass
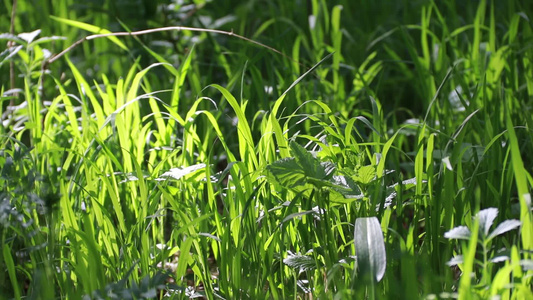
column 188, row 164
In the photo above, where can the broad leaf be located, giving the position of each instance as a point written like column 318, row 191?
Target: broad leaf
column 299, row 261
column 505, row 226
column 301, row 169
column 486, row 218
column 286, row 172
column 346, row 189
column 370, row 248
column 366, row 174
column 29, row 36
column 309, row 164
column 459, row 232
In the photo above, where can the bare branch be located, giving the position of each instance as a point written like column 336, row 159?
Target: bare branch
column 171, row 28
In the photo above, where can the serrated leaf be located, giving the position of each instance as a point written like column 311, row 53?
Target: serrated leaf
column 486, row 218
column 329, row 168
column 503, row 227
column 301, row 262
column 370, row 248
column 459, row 232
column 286, row 172
column 346, row 187
column 365, row 174
column 309, row 164
column 301, row 169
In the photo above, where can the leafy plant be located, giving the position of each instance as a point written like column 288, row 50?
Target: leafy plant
column 483, row 240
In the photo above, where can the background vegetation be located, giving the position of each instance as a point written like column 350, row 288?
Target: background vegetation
column 189, row 164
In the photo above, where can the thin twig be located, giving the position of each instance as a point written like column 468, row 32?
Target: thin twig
column 11, row 64
column 171, row 28
column 10, row 110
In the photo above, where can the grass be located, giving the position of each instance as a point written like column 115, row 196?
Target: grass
column 186, row 164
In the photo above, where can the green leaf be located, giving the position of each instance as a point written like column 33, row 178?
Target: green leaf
column 370, row 248
column 299, row 261
column 297, row 215
column 309, row 164
column 301, row 169
column 305, row 74
column 365, row 174
column 11, row 270
column 286, row 172
column 346, row 187
column 91, row 28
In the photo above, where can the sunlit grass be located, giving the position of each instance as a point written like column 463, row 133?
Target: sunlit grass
column 223, row 170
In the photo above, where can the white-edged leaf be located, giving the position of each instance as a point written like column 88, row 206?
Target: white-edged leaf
column 459, row 232
column 486, row 218
column 346, row 187
column 392, row 190
column 370, row 248
column 10, row 52
column 297, row 215
column 11, row 37
column 49, row 39
column 29, row 36
column 504, row 226
column 527, row 264
column 178, row 173
column 299, row 261
column 447, row 163
column 214, row 237
column 455, row 261
column 499, row 258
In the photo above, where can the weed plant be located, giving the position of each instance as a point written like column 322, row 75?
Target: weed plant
column 382, row 155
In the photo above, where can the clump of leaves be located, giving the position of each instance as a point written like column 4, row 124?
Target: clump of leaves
column 148, row 288
column 304, row 172
column 486, row 218
column 480, row 241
